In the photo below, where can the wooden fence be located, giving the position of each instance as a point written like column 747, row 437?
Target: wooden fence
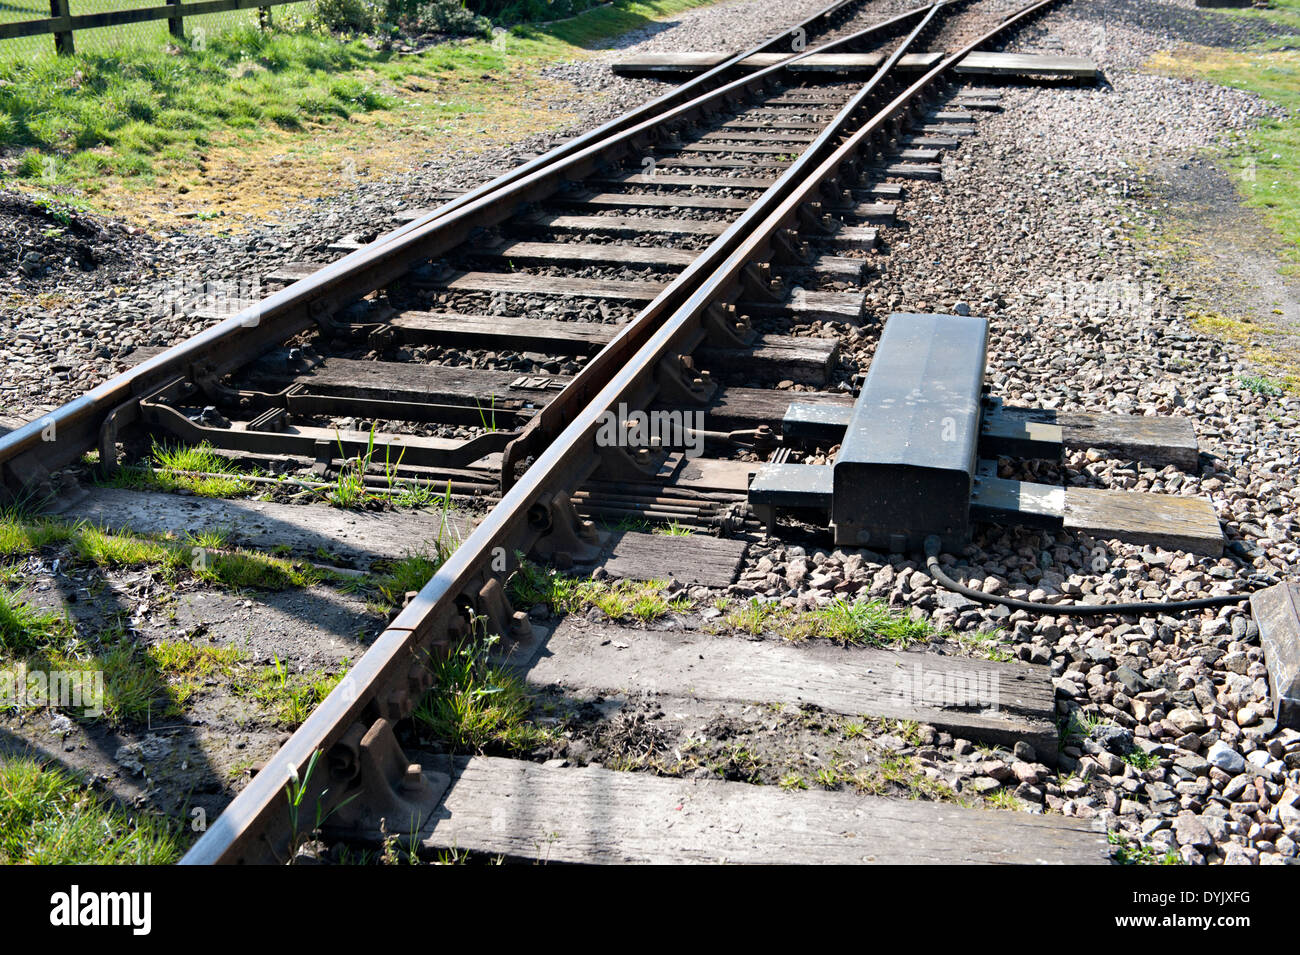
column 63, row 24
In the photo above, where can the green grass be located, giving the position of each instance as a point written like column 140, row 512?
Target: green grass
column 989, row 644
column 185, row 667
column 47, row 817
column 1130, row 853
column 198, row 555
column 145, row 103
column 1140, row 759
column 859, row 622
column 642, row 600
column 1261, row 385
column 289, row 697
column 199, row 470
column 1264, row 162
column 593, row 29
column 474, row 706
column 1003, row 799
column 673, row 529
column 152, row 113
column 25, row 630
column 1282, row 12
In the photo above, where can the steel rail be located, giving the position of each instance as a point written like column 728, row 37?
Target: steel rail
column 59, row 437
column 243, row 832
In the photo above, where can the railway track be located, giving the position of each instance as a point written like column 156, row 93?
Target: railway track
column 697, row 259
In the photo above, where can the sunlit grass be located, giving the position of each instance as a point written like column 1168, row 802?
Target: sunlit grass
column 47, row 817
column 861, row 622
column 475, row 706
column 643, row 600
column 199, row 470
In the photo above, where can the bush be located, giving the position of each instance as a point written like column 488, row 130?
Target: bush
column 444, row 16
column 349, row 16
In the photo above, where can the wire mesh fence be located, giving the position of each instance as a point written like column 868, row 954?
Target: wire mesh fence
column 153, row 33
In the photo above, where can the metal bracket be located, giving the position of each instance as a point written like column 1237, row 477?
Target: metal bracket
column 503, row 619
column 400, row 703
column 566, row 539
column 788, row 249
column 812, row 221
column 756, row 281
column 124, row 414
column 680, row 382
column 388, row 795
column 724, row 328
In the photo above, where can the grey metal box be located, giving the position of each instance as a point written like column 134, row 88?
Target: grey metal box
column 908, row 461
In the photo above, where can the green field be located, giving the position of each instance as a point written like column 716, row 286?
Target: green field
column 153, row 33
column 156, row 131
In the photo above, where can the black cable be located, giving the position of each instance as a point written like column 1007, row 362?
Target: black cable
column 1075, row 610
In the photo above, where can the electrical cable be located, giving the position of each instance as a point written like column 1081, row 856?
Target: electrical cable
column 932, row 549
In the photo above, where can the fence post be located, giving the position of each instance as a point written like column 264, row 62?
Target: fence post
column 176, row 23
column 63, row 44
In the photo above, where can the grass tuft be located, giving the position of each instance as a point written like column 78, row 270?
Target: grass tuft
column 475, row 706
column 642, row 600
column 47, row 817
column 859, row 622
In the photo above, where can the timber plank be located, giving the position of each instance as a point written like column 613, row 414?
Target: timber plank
column 947, row 130
column 693, row 63
column 1027, row 64
column 695, row 560
column 808, row 360
column 806, row 306
column 484, row 331
column 878, row 212
column 996, row 703
column 645, row 200
column 774, row 126
column 626, row 225
column 834, row 267
column 690, row 182
column 933, row 142
column 627, row 291
column 412, row 381
column 903, row 170
column 733, row 408
column 588, row 253
column 714, row 147
column 805, row 360
column 715, row 474
column 1165, row 520
column 853, row 237
column 1155, row 439
column 525, row 810
column 919, row 155
column 729, row 135
column 721, row 162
